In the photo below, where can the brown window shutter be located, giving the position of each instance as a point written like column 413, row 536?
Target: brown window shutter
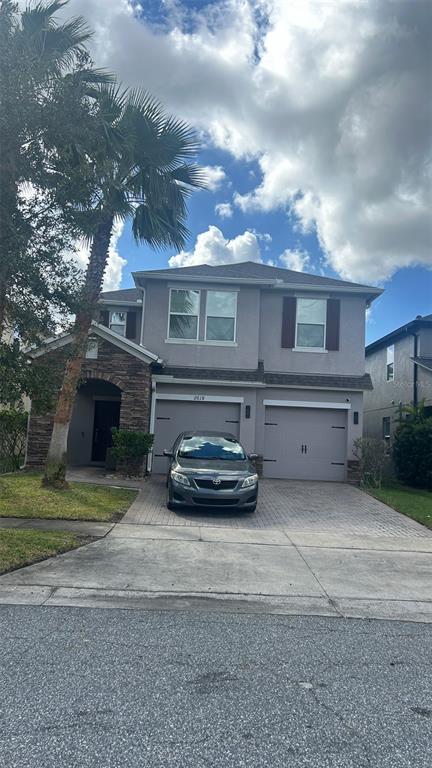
column 130, row 325
column 333, row 323
column 104, row 317
column 288, row 321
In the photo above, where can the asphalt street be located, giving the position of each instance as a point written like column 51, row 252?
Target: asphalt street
column 194, row 689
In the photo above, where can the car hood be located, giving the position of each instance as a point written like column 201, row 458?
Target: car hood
column 228, row 468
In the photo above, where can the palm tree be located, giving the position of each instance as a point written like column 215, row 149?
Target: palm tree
column 140, row 163
column 38, row 56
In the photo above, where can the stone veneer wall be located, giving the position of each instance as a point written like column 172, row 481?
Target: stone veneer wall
column 132, row 376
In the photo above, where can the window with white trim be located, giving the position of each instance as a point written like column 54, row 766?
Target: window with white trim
column 117, row 322
column 386, row 428
column 390, row 363
column 221, row 313
column 311, row 323
column 183, row 314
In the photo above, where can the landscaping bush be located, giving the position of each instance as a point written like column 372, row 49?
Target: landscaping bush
column 13, row 431
column 129, row 449
column 412, row 453
column 372, row 457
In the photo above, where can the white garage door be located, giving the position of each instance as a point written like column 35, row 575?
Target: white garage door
column 305, row 443
column 175, row 416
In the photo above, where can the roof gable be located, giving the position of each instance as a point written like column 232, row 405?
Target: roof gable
column 104, row 333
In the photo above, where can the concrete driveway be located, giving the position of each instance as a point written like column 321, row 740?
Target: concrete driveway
column 311, row 548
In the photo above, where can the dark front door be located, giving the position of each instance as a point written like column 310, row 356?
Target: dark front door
column 106, row 416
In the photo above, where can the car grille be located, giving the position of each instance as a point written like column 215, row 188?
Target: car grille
column 224, row 485
column 215, row 502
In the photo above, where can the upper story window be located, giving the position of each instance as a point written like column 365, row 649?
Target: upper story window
column 184, row 314
column 221, row 312
column 117, row 322
column 390, row 363
column 311, row 323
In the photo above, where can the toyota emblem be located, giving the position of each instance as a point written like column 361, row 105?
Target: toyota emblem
column 216, row 481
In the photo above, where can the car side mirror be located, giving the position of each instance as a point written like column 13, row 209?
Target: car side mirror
column 252, row 456
column 167, row 453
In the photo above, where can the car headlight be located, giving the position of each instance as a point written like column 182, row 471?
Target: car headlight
column 248, row 481
column 179, row 478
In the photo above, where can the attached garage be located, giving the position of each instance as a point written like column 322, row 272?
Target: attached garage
column 180, row 415
column 305, row 443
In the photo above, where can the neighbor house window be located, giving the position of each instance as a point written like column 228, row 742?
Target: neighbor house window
column 184, row 314
column 311, row 323
column 117, row 322
column 221, row 311
column 386, row 428
column 390, row 363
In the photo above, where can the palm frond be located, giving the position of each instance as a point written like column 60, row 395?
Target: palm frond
column 158, row 228
column 190, row 176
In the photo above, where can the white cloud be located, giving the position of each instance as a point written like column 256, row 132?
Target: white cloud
column 331, row 98
column 296, row 259
column 224, row 210
column 116, row 263
column 214, row 175
column 211, row 247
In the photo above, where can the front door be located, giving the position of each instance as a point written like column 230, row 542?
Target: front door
column 106, row 416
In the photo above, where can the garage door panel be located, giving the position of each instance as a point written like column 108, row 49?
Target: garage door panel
column 175, row 416
column 305, row 443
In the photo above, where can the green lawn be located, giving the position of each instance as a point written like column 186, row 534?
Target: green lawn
column 22, row 547
column 412, row 502
column 21, row 495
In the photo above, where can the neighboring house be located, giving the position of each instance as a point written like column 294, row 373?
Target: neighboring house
column 273, row 356
column 400, row 366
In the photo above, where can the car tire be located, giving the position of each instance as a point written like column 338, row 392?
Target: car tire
column 252, row 509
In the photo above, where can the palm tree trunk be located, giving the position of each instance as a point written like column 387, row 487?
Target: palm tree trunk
column 55, row 469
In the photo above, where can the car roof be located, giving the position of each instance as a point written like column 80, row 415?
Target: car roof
column 206, row 433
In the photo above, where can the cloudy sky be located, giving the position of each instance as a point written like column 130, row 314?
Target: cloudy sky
column 316, row 125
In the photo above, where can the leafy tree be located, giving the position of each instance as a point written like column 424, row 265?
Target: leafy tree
column 412, row 453
column 46, row 101
column 140, row 171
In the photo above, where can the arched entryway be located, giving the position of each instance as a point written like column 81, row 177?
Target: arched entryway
column 96, row 411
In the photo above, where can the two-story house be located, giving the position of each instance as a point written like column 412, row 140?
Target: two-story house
column 400, row 366
column 274, row 356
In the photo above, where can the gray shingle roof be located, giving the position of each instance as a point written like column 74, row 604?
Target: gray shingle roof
column 124, row 294
column 254, row 271
column 259, row 375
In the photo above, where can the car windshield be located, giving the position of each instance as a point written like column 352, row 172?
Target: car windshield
column 211, row 448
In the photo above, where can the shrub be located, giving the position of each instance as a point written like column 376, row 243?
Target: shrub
column 129, row 449
column 372, row 457
column 412, row 453
column 13, row 430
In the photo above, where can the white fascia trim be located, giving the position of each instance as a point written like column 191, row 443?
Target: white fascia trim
column 160, row 379
column 125, row 344
column 116, row 303
column 51, row 344
column 203, row 279
column 200, row 398
column 307, row 404
column 105, row 333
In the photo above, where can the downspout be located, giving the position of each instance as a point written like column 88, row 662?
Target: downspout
column 142, row 316
column 152, row 423
column 415, row 372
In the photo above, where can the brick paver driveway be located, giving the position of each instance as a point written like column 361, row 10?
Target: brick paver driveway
column 285, row 504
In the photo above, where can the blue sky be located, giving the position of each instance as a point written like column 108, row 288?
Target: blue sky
column 407, row 294
column 315, row 121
